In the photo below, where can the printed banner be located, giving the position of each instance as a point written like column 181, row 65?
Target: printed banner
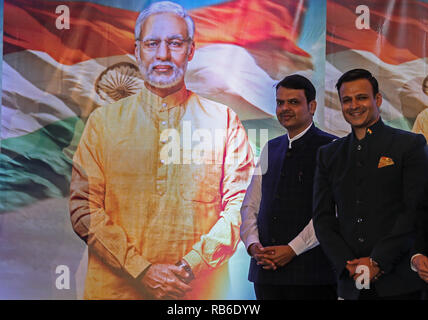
column 64, row 59
column 390, row 39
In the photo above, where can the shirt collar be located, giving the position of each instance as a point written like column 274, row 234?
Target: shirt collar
column 164, row 104
column 371, row 131
column 298, row 136
column 375, row 128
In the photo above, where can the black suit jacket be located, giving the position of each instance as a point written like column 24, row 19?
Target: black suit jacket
column 366, row 195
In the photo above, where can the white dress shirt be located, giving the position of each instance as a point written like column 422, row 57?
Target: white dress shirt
column 303, row 242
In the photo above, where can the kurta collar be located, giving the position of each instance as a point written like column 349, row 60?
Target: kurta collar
column 372, row 131
column 301, row 137
column 164, row 104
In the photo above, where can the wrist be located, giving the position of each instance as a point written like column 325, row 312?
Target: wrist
column 143, row 273
column 415, row 258
column 414, row 262
column 375, row 266
column 292, row 251
column 298, row 246
column 373, row 263
column 251, row 248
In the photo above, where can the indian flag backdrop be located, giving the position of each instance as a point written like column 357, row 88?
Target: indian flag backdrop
column 54, row 77
column 389, row 38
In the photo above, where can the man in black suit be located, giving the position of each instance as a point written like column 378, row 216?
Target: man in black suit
column 277, row 229
column 366, row 191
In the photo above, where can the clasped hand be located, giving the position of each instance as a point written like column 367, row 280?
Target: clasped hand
column 271, row 257
column 352, row 265
column 163, row 281
column 421, row 264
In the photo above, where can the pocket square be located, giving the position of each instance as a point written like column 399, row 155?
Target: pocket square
column 385, row 161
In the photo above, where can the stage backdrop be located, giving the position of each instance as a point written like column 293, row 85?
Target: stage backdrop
column 63, row 59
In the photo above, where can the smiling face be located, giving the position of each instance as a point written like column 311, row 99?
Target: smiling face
column 163, row 52
column 293, row 111
column 359, row 106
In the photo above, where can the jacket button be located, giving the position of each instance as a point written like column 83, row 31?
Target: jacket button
column 361, row 240
column 359, row 147
column 359, row 220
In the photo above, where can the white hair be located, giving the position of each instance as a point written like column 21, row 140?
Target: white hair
column 162, row 7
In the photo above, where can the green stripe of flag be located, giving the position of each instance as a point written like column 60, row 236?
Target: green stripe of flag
column 38, row 165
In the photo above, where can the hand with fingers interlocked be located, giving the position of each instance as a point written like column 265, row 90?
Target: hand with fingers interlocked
column 164, row 281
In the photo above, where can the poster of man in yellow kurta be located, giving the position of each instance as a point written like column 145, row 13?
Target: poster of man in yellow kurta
column 160, row 222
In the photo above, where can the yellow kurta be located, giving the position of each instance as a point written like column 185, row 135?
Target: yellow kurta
column 156, row 180
column 421, row 124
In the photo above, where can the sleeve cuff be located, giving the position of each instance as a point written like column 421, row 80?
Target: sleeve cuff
column 411, row 262
column 136, row 265
column 250, row 240
column 196, row 263
column 386, row 268
column 298, row 245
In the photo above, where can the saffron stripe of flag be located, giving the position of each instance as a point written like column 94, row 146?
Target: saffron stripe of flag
column 99, row 31
column 222, row 70
column 398, row 29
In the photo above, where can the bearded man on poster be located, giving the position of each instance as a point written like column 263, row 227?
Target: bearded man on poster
column 160, row 219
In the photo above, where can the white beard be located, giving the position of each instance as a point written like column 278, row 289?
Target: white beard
column 162, row 81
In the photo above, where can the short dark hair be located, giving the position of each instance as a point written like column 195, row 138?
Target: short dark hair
column 296, row 81
column 356, row 74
